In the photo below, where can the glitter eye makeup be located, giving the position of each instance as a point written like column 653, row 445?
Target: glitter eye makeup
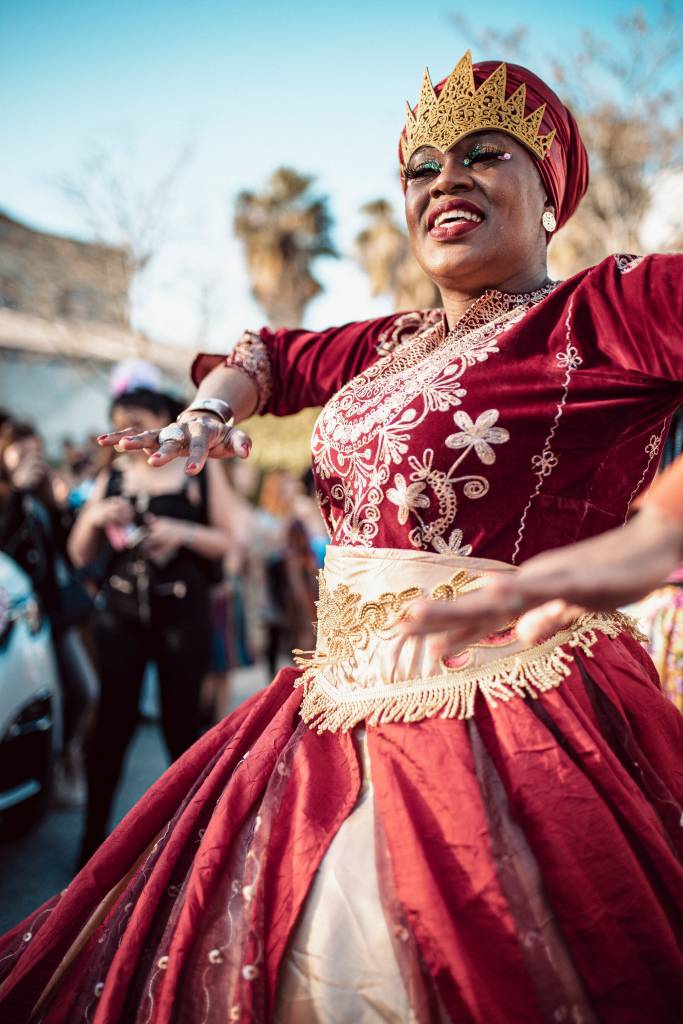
column 426, row 167
column 480, row 152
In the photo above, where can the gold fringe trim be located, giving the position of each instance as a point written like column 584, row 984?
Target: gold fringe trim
column 453, row 694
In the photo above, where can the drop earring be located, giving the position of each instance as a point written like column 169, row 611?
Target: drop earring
column 548, row 221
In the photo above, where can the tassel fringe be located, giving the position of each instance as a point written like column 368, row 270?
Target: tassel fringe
column 453, row 694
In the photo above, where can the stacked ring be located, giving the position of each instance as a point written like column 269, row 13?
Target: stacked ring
column 172, row 432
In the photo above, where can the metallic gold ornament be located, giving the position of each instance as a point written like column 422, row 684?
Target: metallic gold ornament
column 548, row 220
column 461, row 108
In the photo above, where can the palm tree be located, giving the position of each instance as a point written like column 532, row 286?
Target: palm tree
column 383, row 251
column 284, row 228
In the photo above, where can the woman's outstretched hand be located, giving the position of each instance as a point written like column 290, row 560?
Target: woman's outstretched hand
column 549, row 591
column 198, row 437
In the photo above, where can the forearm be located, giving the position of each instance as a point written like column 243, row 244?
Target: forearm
column 232, row 386
column 609, row 570
column 206, row 541
column 666, row 492
column 84, row 540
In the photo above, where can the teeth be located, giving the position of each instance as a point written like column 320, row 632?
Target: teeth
column 455, row 215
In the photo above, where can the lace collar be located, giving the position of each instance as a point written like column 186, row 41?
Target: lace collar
column 492, row 304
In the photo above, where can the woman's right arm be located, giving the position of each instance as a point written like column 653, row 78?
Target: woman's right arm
column 552, row 589
column 85, row 538
column 277, row 372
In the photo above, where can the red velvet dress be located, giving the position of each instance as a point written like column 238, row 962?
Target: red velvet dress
column 534, row 423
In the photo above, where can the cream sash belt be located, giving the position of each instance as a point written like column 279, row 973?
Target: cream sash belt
column 362, row 670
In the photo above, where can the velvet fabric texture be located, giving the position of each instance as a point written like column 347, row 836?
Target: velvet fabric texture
column 536, row 422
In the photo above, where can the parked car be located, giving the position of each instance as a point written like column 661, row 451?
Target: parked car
column 30, row 708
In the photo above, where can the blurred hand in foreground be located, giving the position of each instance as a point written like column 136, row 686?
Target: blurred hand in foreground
column 199, row 436
column 552, row 589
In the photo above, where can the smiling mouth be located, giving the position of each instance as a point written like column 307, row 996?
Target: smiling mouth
column 455, row 216
column 451, row 225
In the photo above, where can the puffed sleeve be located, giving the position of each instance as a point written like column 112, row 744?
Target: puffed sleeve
column 636, row 306
column 296, row 369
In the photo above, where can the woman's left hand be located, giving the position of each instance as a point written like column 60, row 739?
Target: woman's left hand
column 469, row 618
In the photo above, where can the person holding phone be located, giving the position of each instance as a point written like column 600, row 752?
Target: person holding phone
column 158, row 540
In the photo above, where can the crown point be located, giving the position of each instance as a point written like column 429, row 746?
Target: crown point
column 461, row 108
column 515, row 103
column 533, row 121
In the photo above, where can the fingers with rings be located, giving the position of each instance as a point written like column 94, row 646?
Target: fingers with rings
column 148, row 439
column 127, row 440
column 198, row 430
column 173, row 432
column 171, row 441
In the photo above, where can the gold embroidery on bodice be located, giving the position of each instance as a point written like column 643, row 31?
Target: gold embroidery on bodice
column 362, row 441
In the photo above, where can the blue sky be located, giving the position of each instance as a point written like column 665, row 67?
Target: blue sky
column 248, row 86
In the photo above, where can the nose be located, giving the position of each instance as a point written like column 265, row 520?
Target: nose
column 454, row 177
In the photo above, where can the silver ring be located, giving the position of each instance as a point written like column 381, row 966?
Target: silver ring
column 172, row 432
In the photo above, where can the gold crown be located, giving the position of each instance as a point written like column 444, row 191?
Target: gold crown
column 461, row 109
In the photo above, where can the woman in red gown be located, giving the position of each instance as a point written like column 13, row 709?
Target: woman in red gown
column 390, row 833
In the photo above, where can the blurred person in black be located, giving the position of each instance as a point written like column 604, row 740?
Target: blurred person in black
column 33, row 531
column 159, row 538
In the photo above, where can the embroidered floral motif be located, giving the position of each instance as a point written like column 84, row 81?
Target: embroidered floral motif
column 480, row 435
column 347, row 625
column 651, row 450
column 407, row 496
column 251, row 355
column 543, row 464
column 363, row 436
column 626, row 262
column 452, row 546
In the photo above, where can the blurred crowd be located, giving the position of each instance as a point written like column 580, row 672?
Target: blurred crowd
column 150, row 578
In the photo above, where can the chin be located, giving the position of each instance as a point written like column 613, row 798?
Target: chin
column 453, row 264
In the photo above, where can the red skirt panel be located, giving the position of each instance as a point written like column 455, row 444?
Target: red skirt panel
column 576, row 794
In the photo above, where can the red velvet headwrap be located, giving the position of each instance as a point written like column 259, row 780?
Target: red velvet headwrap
column 564, row 171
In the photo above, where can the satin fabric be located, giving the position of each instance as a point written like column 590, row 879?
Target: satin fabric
column 341, row 964
column 527, row 860
column 388, row 658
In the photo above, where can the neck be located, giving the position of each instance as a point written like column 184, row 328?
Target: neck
column 457, row 300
